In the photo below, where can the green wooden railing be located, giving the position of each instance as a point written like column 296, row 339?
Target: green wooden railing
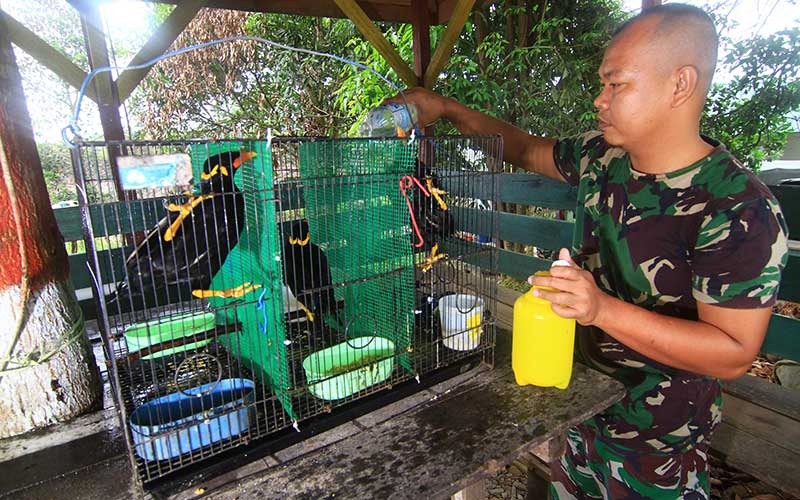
column 783, row 336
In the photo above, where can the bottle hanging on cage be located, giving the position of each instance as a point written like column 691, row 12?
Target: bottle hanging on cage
column 389, row 120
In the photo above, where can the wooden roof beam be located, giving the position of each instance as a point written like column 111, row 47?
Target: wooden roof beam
column 376, row 38
column 158, row 43
column 445, row 47
column 46, row 55
column 646, row 4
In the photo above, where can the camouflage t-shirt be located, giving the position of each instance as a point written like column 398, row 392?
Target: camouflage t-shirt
column 709, row 232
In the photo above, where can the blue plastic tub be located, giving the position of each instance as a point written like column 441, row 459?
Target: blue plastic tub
column 178, row 423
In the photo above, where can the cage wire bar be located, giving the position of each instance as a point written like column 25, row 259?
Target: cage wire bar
column 265, row 283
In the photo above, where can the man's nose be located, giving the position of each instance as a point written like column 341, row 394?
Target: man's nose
column 601, row 101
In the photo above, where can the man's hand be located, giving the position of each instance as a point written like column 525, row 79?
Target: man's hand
column 430, row 106
column 730, row 337
column 534, row 154
column 578, row 296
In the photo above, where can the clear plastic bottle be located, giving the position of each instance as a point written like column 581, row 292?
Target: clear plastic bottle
column 543, row 342
column 389, row 120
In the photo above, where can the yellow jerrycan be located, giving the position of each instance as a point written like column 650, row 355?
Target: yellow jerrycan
column 543, row 342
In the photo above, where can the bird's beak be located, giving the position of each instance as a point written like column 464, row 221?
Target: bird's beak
column 243, row 158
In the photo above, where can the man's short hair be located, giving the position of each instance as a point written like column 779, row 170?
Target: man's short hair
column 688, row 25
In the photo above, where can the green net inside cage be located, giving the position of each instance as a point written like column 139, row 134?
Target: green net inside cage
column 357, row 214
column 254, row 265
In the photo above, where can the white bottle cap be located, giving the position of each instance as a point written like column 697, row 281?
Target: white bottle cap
column 560, row 263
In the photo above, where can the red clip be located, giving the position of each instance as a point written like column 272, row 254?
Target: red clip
column 407, row 182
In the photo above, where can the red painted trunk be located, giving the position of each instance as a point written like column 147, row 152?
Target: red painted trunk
column 38, row 310
column 44, row 245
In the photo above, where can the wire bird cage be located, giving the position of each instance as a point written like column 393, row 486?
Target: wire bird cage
column 246, row 286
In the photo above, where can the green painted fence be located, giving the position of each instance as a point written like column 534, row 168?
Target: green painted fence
column 783, row 336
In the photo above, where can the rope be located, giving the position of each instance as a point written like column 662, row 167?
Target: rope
column 23, row 256
column 35, row 357
column 32, row 358
column 73, row 127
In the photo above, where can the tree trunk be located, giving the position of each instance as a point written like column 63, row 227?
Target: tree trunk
column 47, row 370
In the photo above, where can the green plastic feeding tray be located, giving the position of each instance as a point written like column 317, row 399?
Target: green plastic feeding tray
column 157, row 331
column 349, row 367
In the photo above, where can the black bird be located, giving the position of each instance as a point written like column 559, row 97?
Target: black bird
column 189, row 245
column 306, row 271
column 431, row 212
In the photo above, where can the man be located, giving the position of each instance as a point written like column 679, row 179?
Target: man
column 683, row 253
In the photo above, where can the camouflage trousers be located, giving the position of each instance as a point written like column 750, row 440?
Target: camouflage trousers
column 591, row 469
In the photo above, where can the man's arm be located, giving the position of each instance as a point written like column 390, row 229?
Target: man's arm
column 722, row 343
column 521, row 149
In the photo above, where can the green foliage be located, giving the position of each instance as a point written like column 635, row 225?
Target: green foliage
column 533, row 64
column 750, row 113
column 57, row 170
column 362, row 90
column 243, row 88
column 300, row 85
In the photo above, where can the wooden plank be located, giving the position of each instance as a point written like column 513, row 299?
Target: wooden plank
column 376, row 38
column 448, row 40
column 69, row 223
column 158, row 43
column 766, row 394
column 46, row 55
column 513, row 264
column 445, row 9
column 505, row 315
column 520, row 266
column 526, row 229
column 109, row 260
column 789, row 199
column 69, row 218
column 519, row 188
column 537, row 190
column 475, row 491
column 783, row 337
column 107, row 219
column 774, row 465
column 772, row 427
column 790, row 281
column 134, row 216
column 377, row 10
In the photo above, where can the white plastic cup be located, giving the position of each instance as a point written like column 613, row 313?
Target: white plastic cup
column 461, row 316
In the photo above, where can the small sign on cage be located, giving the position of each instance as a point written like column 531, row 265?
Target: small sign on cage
column 154, row 171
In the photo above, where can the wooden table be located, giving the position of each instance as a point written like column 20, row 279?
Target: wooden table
column 452, row 436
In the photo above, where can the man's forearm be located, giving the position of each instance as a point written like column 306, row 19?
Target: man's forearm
column 534, row 154
column 695, row 346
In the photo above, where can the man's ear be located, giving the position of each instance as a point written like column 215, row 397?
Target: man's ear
column 686, row 80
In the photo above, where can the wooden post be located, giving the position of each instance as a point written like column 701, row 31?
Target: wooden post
column 445, row 47
column 158, row 43
column 108, row 100
column 367, row 28
column 45, row 55
column 420, row 22
column 646, row 4
column 105, row 87
column 47, row 371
